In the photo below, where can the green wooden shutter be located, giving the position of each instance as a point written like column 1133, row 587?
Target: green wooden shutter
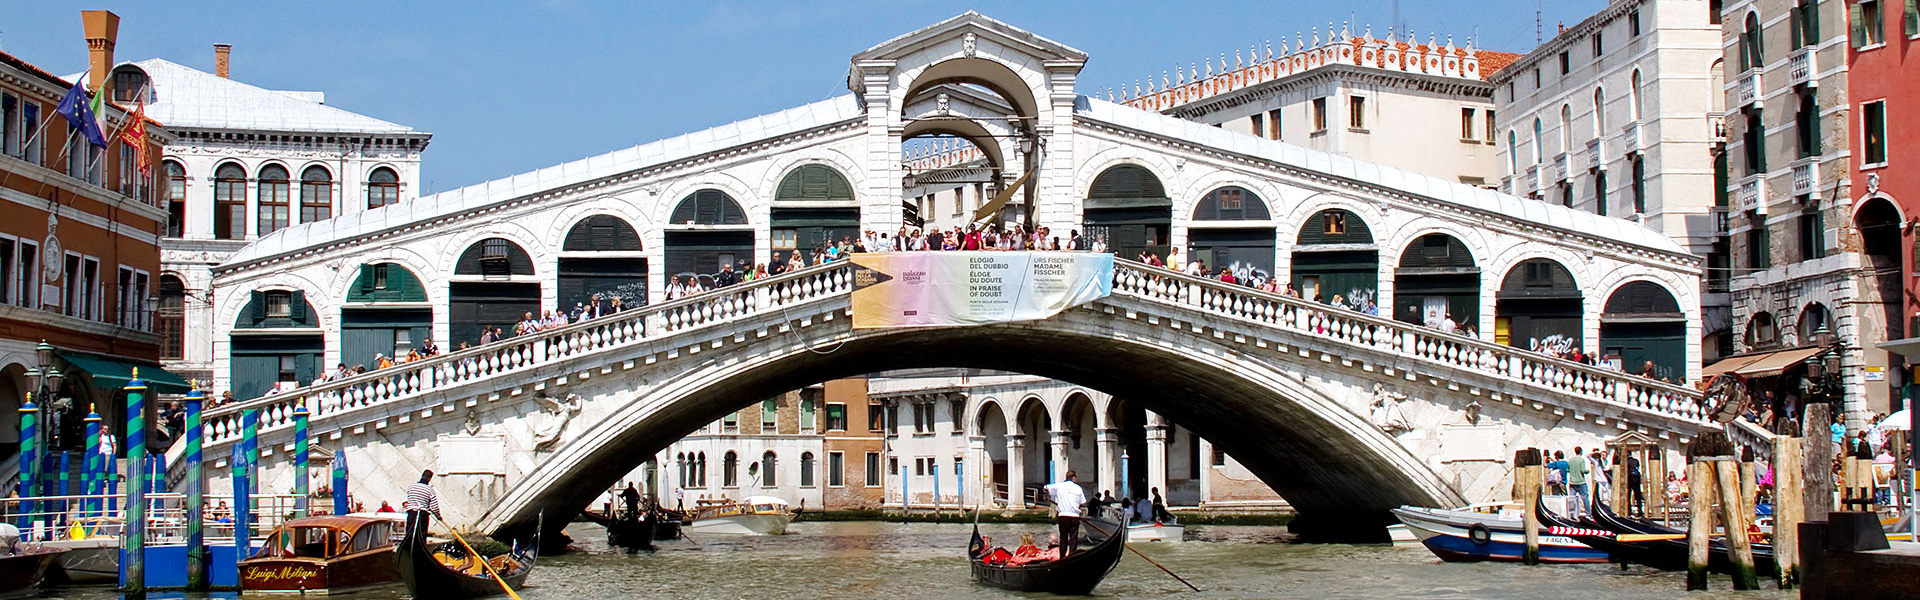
column 366, row 279
column 297, row 307
column 257, row 301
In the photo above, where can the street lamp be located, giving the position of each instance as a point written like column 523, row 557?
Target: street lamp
column 1823, row 380
column 46, row 382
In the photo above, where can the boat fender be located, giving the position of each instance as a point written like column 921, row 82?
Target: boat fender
column 1479, row 534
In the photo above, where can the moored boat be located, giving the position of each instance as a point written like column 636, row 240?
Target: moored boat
column 1657, row 546
column 1102, row 543
column 22, row 566
column 449, row 571
column 1472, row 536
column 1156, row 531
column 753, row 515
column 323, row 555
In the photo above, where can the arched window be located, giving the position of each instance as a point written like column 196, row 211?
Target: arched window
column 1230, row 203
column 1761, row 331
column 1566, row 128
column 700, row 471
column 274, row 199
column 1539, row 140
column 383, row 188
column 176, row 199
column 680, row 461
column 1813, row 318
column 172, row 318
column 1633, row 93
column 230, row 202
column 1513, row 153
column 1599, row 112
column 708, row 207
column 316, row 194
column 768, row 462
column 806, row 469
column 601, row 233
column 1751, row 55
column 730, row 470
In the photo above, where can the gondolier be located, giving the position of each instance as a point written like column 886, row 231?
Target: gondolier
column 1067, row 500
column 421, row 501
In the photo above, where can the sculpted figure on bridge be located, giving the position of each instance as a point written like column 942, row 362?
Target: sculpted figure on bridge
column 1386, row 411
column 547, row 430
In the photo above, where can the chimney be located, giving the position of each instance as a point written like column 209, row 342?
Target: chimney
column 220, row 53
column 102, row 28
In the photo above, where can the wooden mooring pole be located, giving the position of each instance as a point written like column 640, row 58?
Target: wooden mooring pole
column 1788, row 508
column 1526, row 490
column 1736, row 516
column 1700, row 492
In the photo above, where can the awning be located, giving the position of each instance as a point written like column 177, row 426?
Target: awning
column 1760, row 365
column 111, row 374
column 1908, row 347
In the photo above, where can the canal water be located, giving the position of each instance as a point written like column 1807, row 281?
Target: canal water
column 923, row 560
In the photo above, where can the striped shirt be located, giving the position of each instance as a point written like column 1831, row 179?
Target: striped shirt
column 421, row 496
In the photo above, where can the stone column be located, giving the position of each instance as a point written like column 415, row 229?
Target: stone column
column 979, row 471
column 1016, row 470
column 1108, row 440
column 1156, row 455
column 1061, row 443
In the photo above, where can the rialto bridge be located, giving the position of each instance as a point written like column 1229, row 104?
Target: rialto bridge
column 1284, row 385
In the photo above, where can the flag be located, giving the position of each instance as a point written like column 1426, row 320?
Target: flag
column 80, row 116
column 135, row 136
column 99, row 108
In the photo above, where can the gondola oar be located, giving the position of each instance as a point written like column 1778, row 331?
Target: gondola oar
column 1089, row 523
column 483, row 560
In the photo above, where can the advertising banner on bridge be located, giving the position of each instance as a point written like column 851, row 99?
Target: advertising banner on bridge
column 930, row 289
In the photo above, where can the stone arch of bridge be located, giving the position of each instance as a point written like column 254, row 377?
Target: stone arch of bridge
column 1340, row 472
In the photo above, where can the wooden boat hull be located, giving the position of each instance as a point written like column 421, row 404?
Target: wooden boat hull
column 427, row 579
column 1077, row 574
column 21, row 574
column 753, row 524
column 633, row 534
column 1460, row 536
column 368, row 569
column 1668, row 554
column 91, row 560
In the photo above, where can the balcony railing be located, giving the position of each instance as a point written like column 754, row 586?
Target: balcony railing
column 1533, row 178
column 1800, row 68
column 1564, row 162
column 1630, row 138
column 1722, row 220
column 1803, row 180
column 1717, row 127
column 1748, row 197
column 1594, row 154
column 1747, row 91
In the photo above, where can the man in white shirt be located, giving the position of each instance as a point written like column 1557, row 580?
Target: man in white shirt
column 1067, row 499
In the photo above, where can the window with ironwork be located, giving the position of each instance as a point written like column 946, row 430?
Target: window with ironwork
column 176, row 199
column 172, row 318
column 279, row 304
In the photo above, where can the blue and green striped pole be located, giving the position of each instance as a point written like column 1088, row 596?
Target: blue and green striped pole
column 250, row 441
column 134, row 567
column 300, row 476
column 242, row 497
column 66, row 482
column 29, row 461
column 341, row 504
column 92, row 466
column 197, row 557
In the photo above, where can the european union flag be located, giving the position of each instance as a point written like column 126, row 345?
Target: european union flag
column 80, row 116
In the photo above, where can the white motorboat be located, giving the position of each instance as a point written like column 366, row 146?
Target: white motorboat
column 753, row 515
column 1156, row 531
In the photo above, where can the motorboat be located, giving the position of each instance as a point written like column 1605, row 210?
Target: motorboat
column 1156, row 531
column 323, row 555
column 23, row 565
column 1488, row 533
column 753, row 515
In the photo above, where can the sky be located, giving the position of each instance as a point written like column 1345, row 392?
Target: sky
column 510, row 87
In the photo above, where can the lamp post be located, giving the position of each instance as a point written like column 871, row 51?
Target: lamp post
column 1823, row 382
column 45, row 383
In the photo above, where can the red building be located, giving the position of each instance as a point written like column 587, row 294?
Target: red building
column 1884, row 88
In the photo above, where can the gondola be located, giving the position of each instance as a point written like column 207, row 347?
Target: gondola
column 1103, row 541
column 634, row 535
column 430, row 579
column 1669, row 554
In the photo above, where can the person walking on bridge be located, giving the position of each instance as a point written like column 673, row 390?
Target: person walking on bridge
column 1067, row 500
column 421, row 501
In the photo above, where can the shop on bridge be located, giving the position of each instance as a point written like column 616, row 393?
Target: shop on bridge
column 601, row 256
column 706, row 230
column 1539, row 304
column 1437, row 278
column 1335, row 255
column 386, row 313
column 493, row 285
column 814, row 205
column 276, row 344
column 1642, row 323
column 1220, row 236
column 1128, row 205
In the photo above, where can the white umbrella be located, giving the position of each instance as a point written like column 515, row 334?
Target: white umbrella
column 1899, row 421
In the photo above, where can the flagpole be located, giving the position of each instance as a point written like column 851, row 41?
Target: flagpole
column 125, row 123
column 45, row 120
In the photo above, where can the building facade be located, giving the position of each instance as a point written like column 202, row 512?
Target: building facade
column 250, row 161
column 1883, row 83
column 1615, row 116
column 79, row 249
column 814, row 447
column 1800, row 261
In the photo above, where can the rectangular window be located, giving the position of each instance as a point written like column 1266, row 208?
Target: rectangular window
column 836, row 417
column 30, row 122
column 1536, row 78
column 806, row 415
column 1813, row 234
column 1566, row 193
column 876, row 417
column 873, row 469
column 123, row 294
column 1273, row 124
column 1633, row 24
column 769, row 416
column 1913, row 19
column 837, row 468
column 1467, row 122
column 1336, row 222
column 9, row 125
column 1806, row 124
column 289, row 371
column 1639, row 184
column 1757, row 253
column 1600, row 193
column 70, row 292
column 6, row 270
column 1566, row 62
column 1874, row 127
column 1754, row 141
column 920, row 467
column 731, row 422
column 1259, row 124
column 1487, row 131
column 27, row 275
column 956, row 408
column 1319, row 115
column 785, row 239
column 1866, row 23
column 128, row 182
column 1597, row 45
column 1357, row 107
